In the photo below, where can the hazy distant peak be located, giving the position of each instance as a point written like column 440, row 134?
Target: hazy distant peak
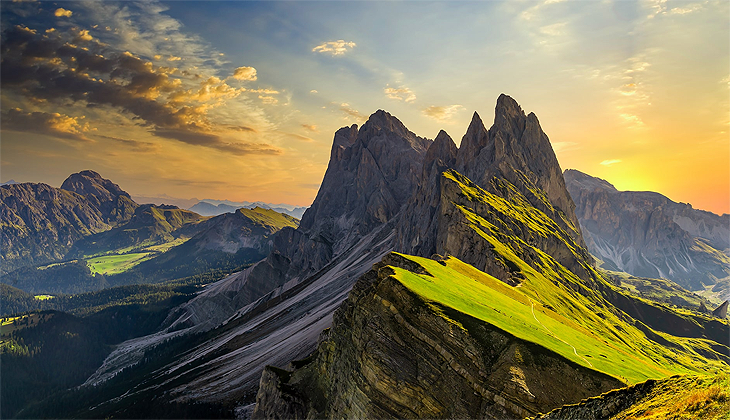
column 586, row 181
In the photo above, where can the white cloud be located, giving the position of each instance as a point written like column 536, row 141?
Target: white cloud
column 401, row 94
column 338, row 47
column 610, row 162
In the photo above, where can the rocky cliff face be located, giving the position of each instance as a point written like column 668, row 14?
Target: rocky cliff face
column 646, row 234
column 390, row 354
column 40, row 223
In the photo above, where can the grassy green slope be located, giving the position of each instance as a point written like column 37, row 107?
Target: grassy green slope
column 268, row 217
column 552, row 306
column 630, row 357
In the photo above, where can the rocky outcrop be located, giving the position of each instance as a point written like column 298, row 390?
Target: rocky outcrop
column 721, row 311
column 648, row 235
column 40, row 223
column 390, row 354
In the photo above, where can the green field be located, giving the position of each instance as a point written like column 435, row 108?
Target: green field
column 460, row 286
column 43, row 297
column 113, row 264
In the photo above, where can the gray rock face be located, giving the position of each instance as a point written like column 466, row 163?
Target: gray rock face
column 517, row 150
column 721, row 311
column 648, row 235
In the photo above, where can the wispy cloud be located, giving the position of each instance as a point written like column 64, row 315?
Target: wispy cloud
column 442, row 113
column 345, row 107
column 338, row 47
column 610, row 162
column 401, row 93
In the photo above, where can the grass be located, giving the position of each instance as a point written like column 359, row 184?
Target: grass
column 268, row 217
column 43, row 297
column 552, row 307
column 470, row 291
column 113, row 264
column 683, row 397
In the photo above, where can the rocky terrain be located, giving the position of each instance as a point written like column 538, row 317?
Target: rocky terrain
column 40, row 223
column 648, row 235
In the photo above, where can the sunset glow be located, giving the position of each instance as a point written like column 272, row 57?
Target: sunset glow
column 240, row 100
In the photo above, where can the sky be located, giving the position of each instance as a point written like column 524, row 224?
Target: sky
column 240, row 100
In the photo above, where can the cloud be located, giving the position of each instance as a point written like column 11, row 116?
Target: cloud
column 215, row 142
column 61, row 12
column 310, row 127
column 610, row 162
column 338, row 47
column 139, row 146
column 402, row 94
column 245, row 73
column 313, row 91
column 632, row 121
column 560, row 146
column 300, row 137
column 55, row 124
column 442, row 113
column 269, row 100
column 345, row 107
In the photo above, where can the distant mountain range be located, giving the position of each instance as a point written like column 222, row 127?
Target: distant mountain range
column 648, row 235
column 216, row 207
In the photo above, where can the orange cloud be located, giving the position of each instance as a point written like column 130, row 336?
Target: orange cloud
column 61, row 12
column 245, row 73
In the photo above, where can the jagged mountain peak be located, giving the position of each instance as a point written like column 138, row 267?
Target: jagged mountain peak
column 89, row 182
column 443, row 148
column 586, row 181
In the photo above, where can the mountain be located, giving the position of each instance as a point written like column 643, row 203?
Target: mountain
column 227, row 241
column 648, row 235
column 41, row 223
column 216, row 207
column 183, row 203
column 150, row 224
column 514, row 321
column 511, row 319
column 11, row 182
column 206, row 209
column 284, row 301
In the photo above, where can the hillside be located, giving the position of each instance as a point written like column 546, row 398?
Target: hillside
column 227, row 241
